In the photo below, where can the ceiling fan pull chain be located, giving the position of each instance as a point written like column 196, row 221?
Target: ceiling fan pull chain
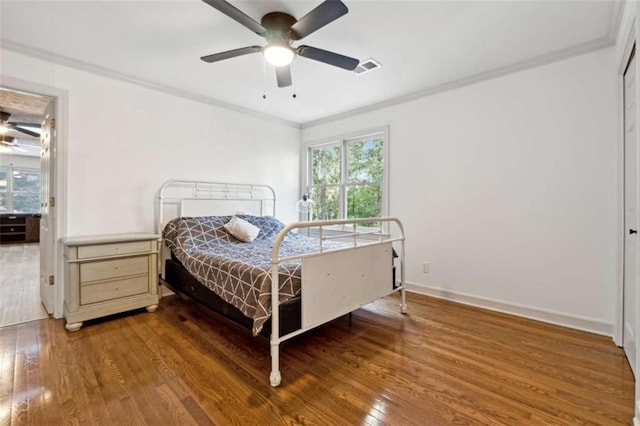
column 264, row 77
column 293, row 69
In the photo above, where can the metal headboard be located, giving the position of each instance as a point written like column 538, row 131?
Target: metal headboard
column 179, row 194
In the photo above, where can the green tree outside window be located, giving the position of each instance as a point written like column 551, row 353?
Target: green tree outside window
column 347, row 179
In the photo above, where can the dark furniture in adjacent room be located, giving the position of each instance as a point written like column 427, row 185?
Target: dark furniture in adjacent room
column 19, row 228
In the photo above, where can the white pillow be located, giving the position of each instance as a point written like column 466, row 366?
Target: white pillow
column 241, row 229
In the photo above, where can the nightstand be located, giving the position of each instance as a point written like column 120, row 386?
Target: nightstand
column 108, row 274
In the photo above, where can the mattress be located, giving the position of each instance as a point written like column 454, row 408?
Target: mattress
column 238, row 272
column 180, row 280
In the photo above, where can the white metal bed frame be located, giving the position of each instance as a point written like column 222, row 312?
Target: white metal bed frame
column 324, row 294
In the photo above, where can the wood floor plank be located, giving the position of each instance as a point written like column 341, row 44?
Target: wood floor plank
column 20, row 284
column 441, row 364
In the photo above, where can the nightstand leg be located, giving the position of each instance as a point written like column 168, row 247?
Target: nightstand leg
column 73, row 326
column 152, row 308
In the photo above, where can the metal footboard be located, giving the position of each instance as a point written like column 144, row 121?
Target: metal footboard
column 337, row 281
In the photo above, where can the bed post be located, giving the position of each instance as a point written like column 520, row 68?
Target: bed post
column 403, row 299
column 275, row 324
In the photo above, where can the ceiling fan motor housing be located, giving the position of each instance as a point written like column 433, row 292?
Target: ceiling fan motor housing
column 278, row 25
column 4, row 116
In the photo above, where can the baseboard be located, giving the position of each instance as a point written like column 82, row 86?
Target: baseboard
column 558, row 318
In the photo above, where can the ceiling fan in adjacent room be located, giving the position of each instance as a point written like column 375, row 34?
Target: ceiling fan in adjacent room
column 6, row 125
column 281, row 30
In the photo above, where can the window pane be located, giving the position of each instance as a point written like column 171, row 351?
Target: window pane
column 325, row 165
column 364, row 201
column 26, row 202
column 3, row 202
column 26, row 191
column 3, row 180
column 365, row 161
column 26, row 181
column 326, row 202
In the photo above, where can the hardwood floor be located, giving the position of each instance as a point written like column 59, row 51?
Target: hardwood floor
column 19, row 282
column 441, row 364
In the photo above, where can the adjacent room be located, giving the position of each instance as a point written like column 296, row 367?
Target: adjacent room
column 20, row 189
column 443, row 196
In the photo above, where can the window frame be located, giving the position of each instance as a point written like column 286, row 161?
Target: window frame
column 343, row 140
column 10, row 192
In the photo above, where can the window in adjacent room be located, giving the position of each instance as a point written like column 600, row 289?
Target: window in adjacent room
column 347, row 177
column 4, row 190
column 19, row 190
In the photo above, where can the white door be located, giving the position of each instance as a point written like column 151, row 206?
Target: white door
column 630, row 214
column 47, row 239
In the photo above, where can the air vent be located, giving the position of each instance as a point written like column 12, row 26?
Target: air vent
column 367, row 66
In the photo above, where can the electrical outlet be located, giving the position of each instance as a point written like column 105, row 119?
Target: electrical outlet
column 425, row 267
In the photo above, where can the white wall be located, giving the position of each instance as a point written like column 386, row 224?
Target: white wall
column 125, row 140
column 508, row 189
column 20, row 161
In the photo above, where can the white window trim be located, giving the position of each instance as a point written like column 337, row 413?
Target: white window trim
column 305, row 168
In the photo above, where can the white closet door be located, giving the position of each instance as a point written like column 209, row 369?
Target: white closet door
column 630, row 214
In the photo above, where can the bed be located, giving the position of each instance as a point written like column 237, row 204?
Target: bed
column 320, row 270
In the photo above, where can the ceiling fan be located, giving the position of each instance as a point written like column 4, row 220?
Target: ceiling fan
column 281, row 29
column 6, row 125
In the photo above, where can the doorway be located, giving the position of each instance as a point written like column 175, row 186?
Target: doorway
column 21, row 183
column 629, row 289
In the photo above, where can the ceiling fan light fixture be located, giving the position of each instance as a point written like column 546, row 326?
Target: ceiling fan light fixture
column 279, row 55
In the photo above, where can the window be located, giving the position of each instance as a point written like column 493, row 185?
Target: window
column 19, row 190
column 347, row 177
column 4, row 190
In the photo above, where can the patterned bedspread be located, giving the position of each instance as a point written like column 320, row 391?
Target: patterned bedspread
column 239, row 272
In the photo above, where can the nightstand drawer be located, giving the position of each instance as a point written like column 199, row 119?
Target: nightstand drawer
column 115, row 289
column 100, row 250
column 116, row 268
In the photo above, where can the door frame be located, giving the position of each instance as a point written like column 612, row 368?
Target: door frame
column 59, row 158
column 629, row 44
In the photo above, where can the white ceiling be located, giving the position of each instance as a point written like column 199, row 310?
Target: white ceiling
column 423, row 45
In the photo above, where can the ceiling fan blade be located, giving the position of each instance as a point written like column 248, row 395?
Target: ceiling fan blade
column 283, row 75
column 237, row 15
column 327, row 12
column 21, row 124
column 327, row 57
column 231, row 54
column 12, row 126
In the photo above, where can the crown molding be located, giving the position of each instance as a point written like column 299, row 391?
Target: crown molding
column 559, row 55
column 127, row 78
